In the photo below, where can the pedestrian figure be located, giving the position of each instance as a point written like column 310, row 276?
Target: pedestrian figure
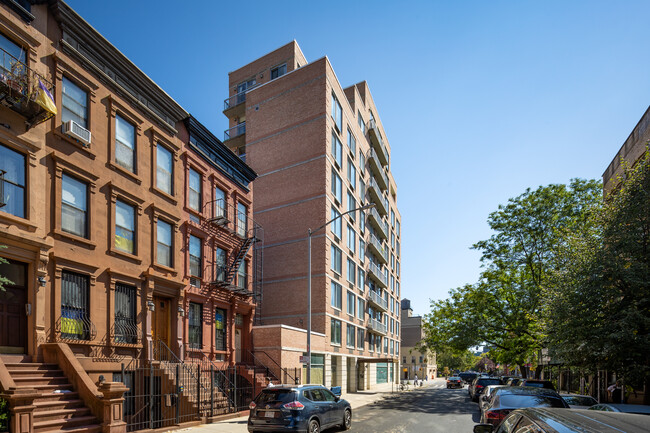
column 415, row 382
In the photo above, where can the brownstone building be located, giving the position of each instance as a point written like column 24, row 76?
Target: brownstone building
column 320, row 150
column 131, row 247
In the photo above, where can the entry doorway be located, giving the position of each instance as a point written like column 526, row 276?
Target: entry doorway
column 237, row 345
column 161, row 323
column 13, row 304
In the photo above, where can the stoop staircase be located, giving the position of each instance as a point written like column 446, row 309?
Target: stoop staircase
column 58, row 408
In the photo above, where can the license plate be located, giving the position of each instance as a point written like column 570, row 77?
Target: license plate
column 268, row 414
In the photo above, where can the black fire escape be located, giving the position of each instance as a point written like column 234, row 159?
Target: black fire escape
column 226, row 221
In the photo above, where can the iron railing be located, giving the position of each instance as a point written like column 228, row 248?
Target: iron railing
column 236, row 99
column 284, row 373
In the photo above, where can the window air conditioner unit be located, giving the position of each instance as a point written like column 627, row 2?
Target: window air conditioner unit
column 76, row 131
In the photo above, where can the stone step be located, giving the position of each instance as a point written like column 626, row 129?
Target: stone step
column 46, row 389
column 60, row 424
column 36, row 373
column 57, row 404
column 93, row 428
column 61, row 414
column 35, row 380
column 12, row 366
column 57, row 397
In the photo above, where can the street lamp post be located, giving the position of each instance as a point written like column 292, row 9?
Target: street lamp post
column 310, row 232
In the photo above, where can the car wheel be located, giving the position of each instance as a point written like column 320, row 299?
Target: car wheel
column 314, row 427
column 347, row 419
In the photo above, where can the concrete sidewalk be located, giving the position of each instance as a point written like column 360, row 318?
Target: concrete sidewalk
column 356, row 399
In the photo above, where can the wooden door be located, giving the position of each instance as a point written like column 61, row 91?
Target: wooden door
column 13, row 319
column 237, row 345
column 161, row 323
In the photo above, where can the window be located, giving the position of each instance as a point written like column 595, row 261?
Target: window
column 195, row 327
column 242, row 219
column 337, row 295
column 337, row 187
column 352, row 271
column 362, row 162
column 392, row 283
column 196, row 257
column 336, row 260
column 352, row 174
column 352, row 204
column 278, row 71
column 351, row 333
column 75, row 103
column 421, row 359
column 392, row 347
column 361, row 308
column 124, row 227
column 352, row 303
column 337, row 113
column 74, row 208
column 220, row 329
column 220, row 263
column 126, row 327
column 362, row 279
column 371, row 342
column 362, row 249
column 124, row 144
column 242, row 87
column 352, row 239
column 337, row 150
column 16, row 52
column 392, row 218
column 352, row 143
column 392, row 322
column 219, row 203
column 362, row 124
column 362, row 190
column 75, row 306
column 392, row 260
column 397, row 328
column 194, row 196
column 398, row 249
column 164, row 169
column 398, row 228
column 336, row 223
column 362, row 223
column 242, row 278
column 385, row 345
column 335, row 331
column 397, row 268
column 392, row 239
column 360, row 338
column 12, row 182
column 164, row 243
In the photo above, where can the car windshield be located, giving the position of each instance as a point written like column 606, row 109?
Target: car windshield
column 535, row 384
column 274, row 395
column 579, row 401
column 516, row 401
column 486, row 382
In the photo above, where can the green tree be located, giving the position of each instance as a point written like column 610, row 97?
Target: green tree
column 4, row 281
column 504, row 308
column 455, row 361
column 598, row 306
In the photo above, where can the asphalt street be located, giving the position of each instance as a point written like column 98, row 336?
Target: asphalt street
column 429, row 410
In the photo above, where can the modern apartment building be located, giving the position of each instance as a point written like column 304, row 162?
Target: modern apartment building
column 415, row 361
column 320, row 150
column 631, row 151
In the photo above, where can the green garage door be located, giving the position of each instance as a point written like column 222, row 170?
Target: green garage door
column 382, row 372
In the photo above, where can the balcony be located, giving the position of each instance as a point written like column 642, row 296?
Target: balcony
column 378, row 301
column 377, row 142
column 235, row 106
column 375, row 220
column 377, row 249
column 376, row 326
column 377, row 197
column 377, row 170
column 21, row 91
column 235, row 137
column 377, row 275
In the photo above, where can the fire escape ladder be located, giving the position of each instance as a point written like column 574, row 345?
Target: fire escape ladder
column 239, row 258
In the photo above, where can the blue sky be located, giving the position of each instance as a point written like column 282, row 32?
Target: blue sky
column 479, row 99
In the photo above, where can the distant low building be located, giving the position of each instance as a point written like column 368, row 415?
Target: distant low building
column 414, row 361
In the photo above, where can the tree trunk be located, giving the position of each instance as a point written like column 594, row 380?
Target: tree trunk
column 646, row 390
column 524, row 371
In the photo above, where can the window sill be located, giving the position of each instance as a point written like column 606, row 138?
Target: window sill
column 194, row 349
column 165, row 268
column 60, row 234
column 65, row 137
column 22, row 222
column 170, row 198
column 115, row 252
column 118, row 168
column 336, row 344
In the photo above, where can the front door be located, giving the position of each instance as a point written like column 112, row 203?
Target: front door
column 237, row 345
column 13, row 319
column 161, row 323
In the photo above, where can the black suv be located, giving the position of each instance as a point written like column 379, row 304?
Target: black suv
column 301, row 408
column 478, row 386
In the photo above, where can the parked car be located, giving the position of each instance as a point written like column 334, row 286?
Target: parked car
column 484, row 399
column 547, row 384
column 513, row 381
column 553, row 420
column 618, row 407
column 577, row 401
column 468, row 376
column 479, row 384
column 303, row 408
column 454, row 382
column 509, row 398
column 504, row 379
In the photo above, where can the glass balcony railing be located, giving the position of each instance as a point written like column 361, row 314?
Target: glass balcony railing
column 377, row 170
column 375, row 246
column 377, row 197
column 381, row 226
column 377, row 275
column 377, row 142
column 377, row 326
column 377, row 300
column 235, row 131
column 236, row 99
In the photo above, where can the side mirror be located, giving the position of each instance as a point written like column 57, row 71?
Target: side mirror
column 337, row 398
column 483, row 428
